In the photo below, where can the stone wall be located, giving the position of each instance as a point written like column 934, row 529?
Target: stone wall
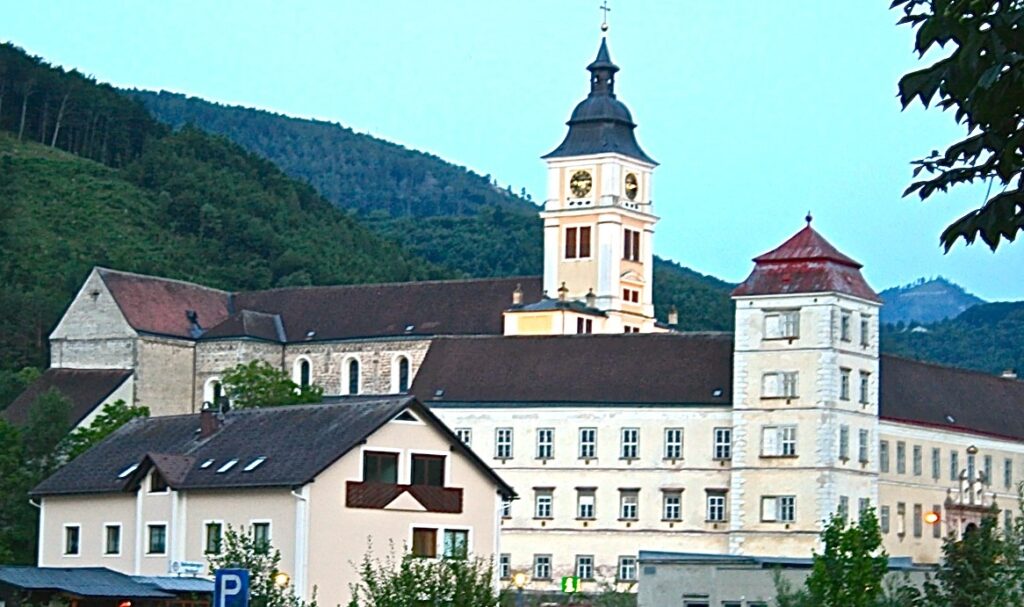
column 164, row 375
column 93, row 333
column 377, row 362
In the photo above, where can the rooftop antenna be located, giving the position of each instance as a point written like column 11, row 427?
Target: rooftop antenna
column 604, row 21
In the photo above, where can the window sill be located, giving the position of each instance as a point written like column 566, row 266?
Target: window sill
column 628, row 520
column 671, row 520
column 586, row 518
column 543, row 518
column 789, row 338
column 785, row 398
column 673, row 459
column 794, row 456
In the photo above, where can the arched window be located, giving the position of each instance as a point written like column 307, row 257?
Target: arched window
column 213, row 391
column 301, row 372
column 403, row 374
column 353, row 376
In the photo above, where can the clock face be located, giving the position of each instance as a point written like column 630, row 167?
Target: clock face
column 632, row 187
column 580, row 183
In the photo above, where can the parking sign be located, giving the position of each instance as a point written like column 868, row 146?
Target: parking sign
column 231, row 588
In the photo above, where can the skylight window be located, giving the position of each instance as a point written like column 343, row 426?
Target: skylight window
column 254, row 464
column 227, row 466
column 409, row 328
column 716, row 392
column 206, row 464
column 128, row 471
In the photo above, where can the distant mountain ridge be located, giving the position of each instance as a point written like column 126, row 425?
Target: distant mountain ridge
column 926, row 301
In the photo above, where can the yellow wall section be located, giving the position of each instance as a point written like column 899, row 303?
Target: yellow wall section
column 535, row 324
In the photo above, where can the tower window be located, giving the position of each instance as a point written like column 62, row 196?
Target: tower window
column 584, row 325
column 403, row 374
column 353, row 376
column 631, row 245
column 577, row 242
column 784, row 324
column 631, row 295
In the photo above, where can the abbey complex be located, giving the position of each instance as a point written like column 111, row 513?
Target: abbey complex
column 622, row 440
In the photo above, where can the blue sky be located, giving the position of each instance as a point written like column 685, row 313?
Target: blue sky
column 757, row 111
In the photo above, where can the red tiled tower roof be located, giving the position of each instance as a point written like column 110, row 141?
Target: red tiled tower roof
column 806, row 263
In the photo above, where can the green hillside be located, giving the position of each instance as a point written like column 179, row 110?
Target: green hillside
column 925, row 301
column 185, row 205
column 469, row 226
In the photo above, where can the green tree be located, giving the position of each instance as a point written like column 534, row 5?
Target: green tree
column 850, row 570
column 410, row 581
column 982, row 80
column 112, row 417
column 267, row 585
column 13, row 506
column 49, row 420
column 258, row 384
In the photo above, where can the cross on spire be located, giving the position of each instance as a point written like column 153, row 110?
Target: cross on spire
column 604, row 20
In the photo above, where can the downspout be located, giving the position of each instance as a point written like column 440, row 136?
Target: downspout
column 138, row 531
column 300, row 574
column 42, row 526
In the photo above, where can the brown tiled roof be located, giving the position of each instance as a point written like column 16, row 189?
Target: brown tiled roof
column 668, row 368
column 247, row 323
column 84, row 388
column 806, row 263
column 453, row 307
column 160, row 305
column 955, row 399
column 298, row 442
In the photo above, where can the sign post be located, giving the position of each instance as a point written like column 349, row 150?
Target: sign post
column 231, row 588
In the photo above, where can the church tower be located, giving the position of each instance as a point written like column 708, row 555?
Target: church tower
column 598, row 223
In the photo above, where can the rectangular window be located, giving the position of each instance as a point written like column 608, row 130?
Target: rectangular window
column 723, row 443
column 971, row 467
column 918, row 521
column 673, row 443
column 936, row 463
column 261, row 537
column 424, row 542
column 779, row 384
column 862, row 506
column 778, row 509
column 844, row 507
column 631, row 245
column 901, row 518
column 584, row 325
column 465, row 435
column 577, row 243
column 844, row 384
column 380, row 467
column 505, row 566
column 456, row 543
column 917, row 461
column 630, row 443
column 112, row 540
column 506, row 508
column 628, row 501
column 157, row 484
column 1007, row 473
column 863, row 445
column 865, row 383
column 543, row 502
column 542, row 566
column 214, row 531
column 865, row 331
column 844, row 442
column 716, row 506
column 988, row 469
column 671, row 506
column 627, row 569
column 157, row 539
column 883, row 456
column 844, row 326
column 503, row 443
column 883, row 518
column 778, row 441
column 631, row 296
column 1007, row 520
column 784, row 324
column 954, row 465
column 72, row 537
column 937, row 525
column 588, row 443
column 585, row 567
column 901, row 457
column 545, row 443
column 428, row 470
column 585, row 503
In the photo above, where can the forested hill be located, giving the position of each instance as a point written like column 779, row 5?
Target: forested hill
column 352, row 170
column 925, row 301
column 468, row 225
column 88, row 178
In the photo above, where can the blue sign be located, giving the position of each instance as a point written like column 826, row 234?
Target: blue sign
column 231, row 588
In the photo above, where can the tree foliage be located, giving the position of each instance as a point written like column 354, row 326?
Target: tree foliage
column 409, row 581
column 982, row 81
column 258, row 384
column 850, row 569
column 112, row 417
column 241, row 550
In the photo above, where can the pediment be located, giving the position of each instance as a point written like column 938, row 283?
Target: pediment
column 632, row 276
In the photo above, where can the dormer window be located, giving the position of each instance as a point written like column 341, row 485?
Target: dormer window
column 157, row 483
column 782, row 324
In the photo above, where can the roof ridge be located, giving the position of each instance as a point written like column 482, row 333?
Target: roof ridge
column 947, row 367
column 441, row 281
column 102, row 270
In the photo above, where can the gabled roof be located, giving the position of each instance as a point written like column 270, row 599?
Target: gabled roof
column 954, row 399
column 161, row 305
column 652, row 368
column 84, row 388
column 806, row 263
column 297, row 442
column 90, row 582
column 248, row 323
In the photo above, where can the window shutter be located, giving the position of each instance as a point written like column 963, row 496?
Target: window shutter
column 769, row 507
column 772, row 326
column 769, row 440
column 770, row 384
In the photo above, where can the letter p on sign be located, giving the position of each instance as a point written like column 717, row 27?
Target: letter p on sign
column 231, row 588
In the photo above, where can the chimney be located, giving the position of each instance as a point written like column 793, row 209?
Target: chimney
column 209, row 422
column 673, row 316
column 591, row 298
column 563, row 292
column 517, row 295
column 1009, row 374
